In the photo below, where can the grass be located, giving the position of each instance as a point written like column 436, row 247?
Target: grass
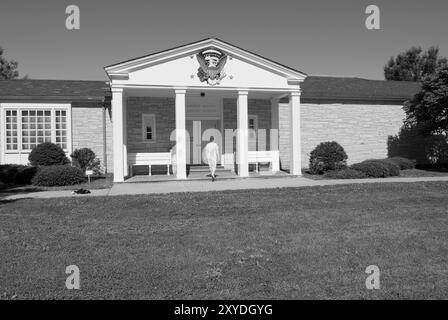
column 410, row 173
column 284, row 244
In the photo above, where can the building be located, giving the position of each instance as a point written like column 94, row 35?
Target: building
column 175, row 97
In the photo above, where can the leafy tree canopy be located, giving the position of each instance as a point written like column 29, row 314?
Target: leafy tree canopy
column 429, row 108
column 414, row 64
column 8, row 69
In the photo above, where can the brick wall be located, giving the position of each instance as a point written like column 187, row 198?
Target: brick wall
column 362, row 130
column 164, row 110
column 259, row 107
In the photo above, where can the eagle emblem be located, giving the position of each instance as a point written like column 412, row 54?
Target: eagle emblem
column 211, row 62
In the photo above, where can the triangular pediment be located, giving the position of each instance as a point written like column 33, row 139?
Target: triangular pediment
column 209, row 62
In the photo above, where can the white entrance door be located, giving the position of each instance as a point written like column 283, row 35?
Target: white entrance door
column 196, row 129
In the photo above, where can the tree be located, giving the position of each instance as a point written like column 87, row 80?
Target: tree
column 428, row 109
column 414, row 64
column 8, row 69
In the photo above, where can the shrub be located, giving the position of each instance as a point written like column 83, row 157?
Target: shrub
column 25, row 175
column 345, row 174
column 47, row 154
column 16, row 174
column 85, row 159
column 403, row 163
column 394, row 168
column 377, row 168
column 8, row 172
column 327, row 156
column 59, row 175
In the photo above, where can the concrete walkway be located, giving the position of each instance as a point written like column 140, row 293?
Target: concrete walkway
column 204, row 186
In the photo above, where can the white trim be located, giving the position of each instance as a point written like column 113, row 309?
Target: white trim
column 154, row 130
column 202, row 88
column 123, row 68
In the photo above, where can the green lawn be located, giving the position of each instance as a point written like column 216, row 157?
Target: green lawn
column 284, row 243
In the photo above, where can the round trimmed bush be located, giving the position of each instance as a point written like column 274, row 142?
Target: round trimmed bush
column 85, row 159
column 345, row 174
column 327, row 156
column 47, row 154
column 58, row 176
column 403, row 163
column 377, row 168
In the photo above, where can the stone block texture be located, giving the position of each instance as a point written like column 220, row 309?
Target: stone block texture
column 88, row 122
column 362, row 130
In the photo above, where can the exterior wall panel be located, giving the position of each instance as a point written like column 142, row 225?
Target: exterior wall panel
column 362, row 130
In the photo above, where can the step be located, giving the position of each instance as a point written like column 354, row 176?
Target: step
column 206, row 169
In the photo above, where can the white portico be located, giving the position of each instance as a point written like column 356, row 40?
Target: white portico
column 209, row 84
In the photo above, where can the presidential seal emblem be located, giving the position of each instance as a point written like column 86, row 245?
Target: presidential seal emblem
column 211, row 62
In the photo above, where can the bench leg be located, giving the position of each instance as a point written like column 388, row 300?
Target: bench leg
column 130, row 170
column 149, row 170
column 256, row 167
column 167, row 169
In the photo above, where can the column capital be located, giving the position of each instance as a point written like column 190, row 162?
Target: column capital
column 116, row 90
column 180, row 90
column 296, row 93
column 243, row 92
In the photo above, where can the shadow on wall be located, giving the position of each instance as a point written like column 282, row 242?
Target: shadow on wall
column 411, row 143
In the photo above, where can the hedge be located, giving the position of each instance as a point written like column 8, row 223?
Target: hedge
column 345, row 174
column 377, row 168
column 16, row 174
column 59, row 175
column 403, row 163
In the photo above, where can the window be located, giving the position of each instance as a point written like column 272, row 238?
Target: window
column 252, row 125
column 36, row 128
column 11, row 130
column 29, row 125
column 61, row 128
column 149, row 127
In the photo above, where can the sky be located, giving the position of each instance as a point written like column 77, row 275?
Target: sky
column 318, row 37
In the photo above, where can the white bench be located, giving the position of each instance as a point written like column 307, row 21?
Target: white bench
column 273, row 157
column 149, row 159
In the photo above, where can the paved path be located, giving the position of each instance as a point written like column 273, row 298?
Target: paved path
column 203, row 186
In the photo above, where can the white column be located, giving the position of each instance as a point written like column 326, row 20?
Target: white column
column 181, row 154
column 117, row 125
column 242, row 137
column 125, row 137
column 274, row 113
column 295, row 144
column 273, row 136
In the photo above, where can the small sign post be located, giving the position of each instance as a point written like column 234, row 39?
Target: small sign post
column 89, row 173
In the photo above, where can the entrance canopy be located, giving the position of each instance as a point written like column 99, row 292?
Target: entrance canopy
column 210, row 67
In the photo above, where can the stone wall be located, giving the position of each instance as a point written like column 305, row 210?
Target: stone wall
column 362, row 130
column 88, row 129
